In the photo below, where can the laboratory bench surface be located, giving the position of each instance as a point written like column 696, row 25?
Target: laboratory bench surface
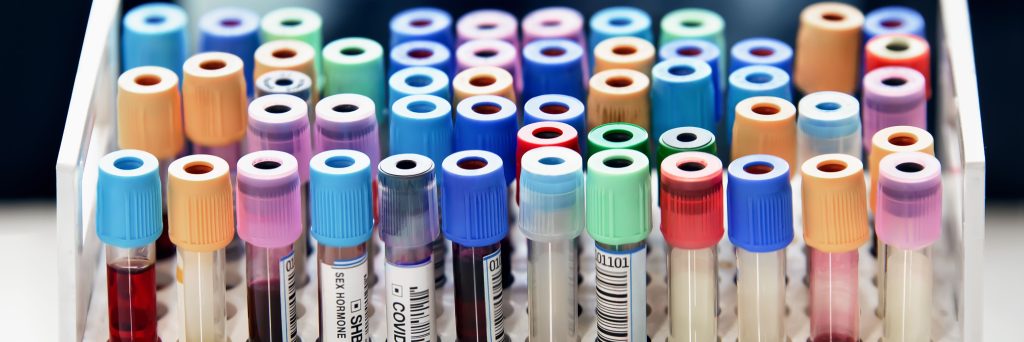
column 28, row 292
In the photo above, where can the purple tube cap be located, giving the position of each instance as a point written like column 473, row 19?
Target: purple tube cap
column 909, row 214
column 894, row 86
column 268, row 201
column 347, row 121
column 280, row 122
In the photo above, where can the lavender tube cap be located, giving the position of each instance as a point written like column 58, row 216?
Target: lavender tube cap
column 279, row 122
column 268, row 201
column 909, row 214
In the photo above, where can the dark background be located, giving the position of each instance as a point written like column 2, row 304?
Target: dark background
column 45, row 38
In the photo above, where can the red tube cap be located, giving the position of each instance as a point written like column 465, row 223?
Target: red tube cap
column 691, row 200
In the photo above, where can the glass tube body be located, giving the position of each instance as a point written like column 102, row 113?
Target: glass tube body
column 479, row 311
column 131, row 293
column 343, row 292
column 835, row 311
column 552, row 273
column 761, row 288
column 412, row 270
column 201, row 296
column 693, row 294
column 270, row 293
column 621, row 277
column 908, row 291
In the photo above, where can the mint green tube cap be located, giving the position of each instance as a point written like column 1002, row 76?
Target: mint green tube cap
column 618, row 197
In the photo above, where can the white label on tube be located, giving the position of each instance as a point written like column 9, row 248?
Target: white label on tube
column 289, row 312
column 345, row 299
column 621, row 296
column 492, row 296
column 410, row 317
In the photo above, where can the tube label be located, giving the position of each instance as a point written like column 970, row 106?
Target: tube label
column 621, row 294
column 493, row 296
column 289, row 312
column 410, row 315
column 345, row 300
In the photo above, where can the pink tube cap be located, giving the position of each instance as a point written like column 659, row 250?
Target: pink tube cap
column 268, row 207
column 347, row 122
column 909, row 213
column 893, row 96
column 280, row 122
column 488, row 24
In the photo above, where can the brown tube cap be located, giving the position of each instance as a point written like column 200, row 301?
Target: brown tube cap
column 213, row 91
column 892, row 140
column 828, row 48
column 765, row 125
column 624, row 53
column 149, row 112
column 286, row 54
column 482, row 80
column 200, row 206
column 619, row 95
column 834, row 204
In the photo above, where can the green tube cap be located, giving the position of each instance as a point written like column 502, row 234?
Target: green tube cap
column 618, row 197
column 617, row 135
column 685, row 139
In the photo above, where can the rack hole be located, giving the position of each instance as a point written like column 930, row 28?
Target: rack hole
column 482, row 80
column 352, row 51
column 547, row 133
column 552, row 51
column 198, row 168
column 345, row 108
column 758, row 168
column 765, row 109
column 827, row 106
column 762, row 51
column 147, row 80
column 832, row 16
column 230, row 22
column 898, row 45
column 902, row 140
column 418, row 81
column 267, row 165
column 620, row 21
column 689, row 51
column 759, row 78
column 552, row 161
column 617, row 162
column 284, row 82
column 339, row 162
column 910, row 167
column 681, row 70
column 405, row 164
column 894, row 81
column 277, row 109
column 422, row 107
column 486, row 53
column 471, row 163
column 691, row 166
column 554, row 108
column 214, row 64
column 831, row 166
column 486, row 108
column 619, row 82
column 420, row 53
column 624, row 50
column 617, row 135
column 128, row 163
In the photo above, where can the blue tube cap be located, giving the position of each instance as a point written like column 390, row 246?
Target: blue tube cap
column 418, row 81
column 421, row 53
column 619, row 21
column 422, row 23
column 154, row 34
column 761, row 51
column 489, row 123
column 558, row 108
column 474, row 198
column 759, row 203
column 340, row 198
column 682, row 94
column 553, row 66
column 893, row 19
column 233, row 30
column 129, row 201
column 422, row 124
column 702, row 50
column 828, row 115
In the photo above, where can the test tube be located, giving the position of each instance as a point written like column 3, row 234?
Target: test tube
column 900, row 49
column 214, row 103
column 557, row 22
column 154, row 35
column 341, row 208
column 418, row 81
column 829, row 122
column 828, row 44
column 619, row 95
column 761, row 227
column 682, row 94
column 491, row 52
column 269, row 221
column 893, row 19
column 617, row 135
column 619, row 219
column 422, row 53
column 835, row 226
column 624, row 53
column 619, row 21
column 761, row 51
column 685, row 139
column 893, row 96
column 421, row 23
column 279, row 122
column 765, row 125
column 408, row 227
column 475, row 211
column 540, row 134
column 300, row 24
column 129, row 206
column 750, row 81
column 482, row 80
column 909, row 221
column 554, row 66
column 488, row 23
column 551, row 217
column 234, row 30
column 201, row 219
column 705, row 51
column 692, row 223
column 287, row 54
column 355, row 65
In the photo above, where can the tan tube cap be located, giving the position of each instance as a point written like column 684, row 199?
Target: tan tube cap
column 619, row 95
column 149, row 112
column 834, row 207
column 892, row 140
column 828, row 48
column 482, row 80
column 213, row 91
column 286, row 54
column 200, row 206
column 765, row 125
column 624, row 53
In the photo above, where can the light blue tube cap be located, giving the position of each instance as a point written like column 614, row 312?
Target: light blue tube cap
column 828, row 115
column 754, row 80
column 154, row 34
column 682, row 94
column 340, row 198
column 129, row 201
column 418, row 81
column 422, row 124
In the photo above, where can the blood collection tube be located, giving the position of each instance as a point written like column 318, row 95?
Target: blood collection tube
column 761, row 51
column 692, row 223
column 551, row 217
column 765, row 125
column 482, row 80
column 424, row 53
column 488, row 23
column 234, row 30
column 341, row 205
column 418, row 81
column 682, row 94
column 474, row 217
column 129, row 206
column 619, row 21
column 154, row 35
column 491, row 52
column 557, row 108
column 201, row 219
column 269, row 221
column 287, row 54
column 761, row 227
column 355, row 65
column 829, row 122
column 750, row 81
column 705, row 51
column 149, row 119
column 214, row 103
column 279, row 122
column 685, row 139
column 540, row 134
column 286, row 82
column 300, row 24
column 554, row 66
column 619, row 95
column 408, row 226
column 893, row 96
column 900, row 49
column 835, row 227
column 617, row 135
column 828, row 45
column 619, row 220
column 909, row 221
column 557, row 22
column 422, row 23
column 893, row 19
column 624, row 53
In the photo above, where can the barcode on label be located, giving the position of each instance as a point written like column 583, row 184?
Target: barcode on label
column 493, row 286
column 287, row 266
column 410, row 316
column 621, row 300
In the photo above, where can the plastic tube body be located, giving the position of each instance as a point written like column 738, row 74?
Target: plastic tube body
column 908, row 295
column 478, row 295
column 834, row 307
column 344, row 287
column 202, row 308
column 131, row 293
column 761, row 289
column 271, row 296
column 552, row 271
column 693, row 294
